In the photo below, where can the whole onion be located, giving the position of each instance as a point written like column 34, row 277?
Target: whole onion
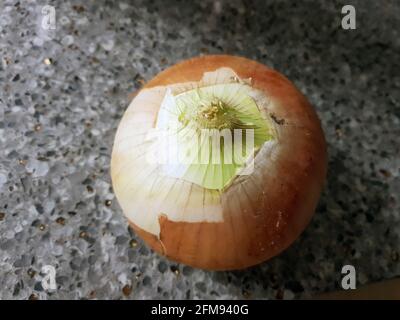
column 228, row 214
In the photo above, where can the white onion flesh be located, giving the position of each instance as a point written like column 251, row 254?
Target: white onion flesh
column 144, row 189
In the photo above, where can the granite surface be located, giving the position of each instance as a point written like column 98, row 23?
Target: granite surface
column 63, row 92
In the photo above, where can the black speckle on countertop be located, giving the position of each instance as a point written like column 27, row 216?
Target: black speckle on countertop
column 64, row 91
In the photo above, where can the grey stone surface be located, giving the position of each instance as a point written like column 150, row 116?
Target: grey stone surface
column 58, row 118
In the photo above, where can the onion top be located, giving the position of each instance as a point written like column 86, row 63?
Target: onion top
column 216, row 128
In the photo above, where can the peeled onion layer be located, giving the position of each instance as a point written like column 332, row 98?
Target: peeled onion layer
column 177, row 117
column 208, row 215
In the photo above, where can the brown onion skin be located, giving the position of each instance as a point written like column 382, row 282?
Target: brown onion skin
column 286, row 200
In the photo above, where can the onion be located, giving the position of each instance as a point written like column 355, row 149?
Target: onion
column 247, row 199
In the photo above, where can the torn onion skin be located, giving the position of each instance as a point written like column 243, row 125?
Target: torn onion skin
column 262, row 213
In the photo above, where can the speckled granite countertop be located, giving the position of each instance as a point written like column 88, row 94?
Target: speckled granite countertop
column 63, row 92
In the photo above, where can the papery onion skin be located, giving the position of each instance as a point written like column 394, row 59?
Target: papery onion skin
column 263, row 215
